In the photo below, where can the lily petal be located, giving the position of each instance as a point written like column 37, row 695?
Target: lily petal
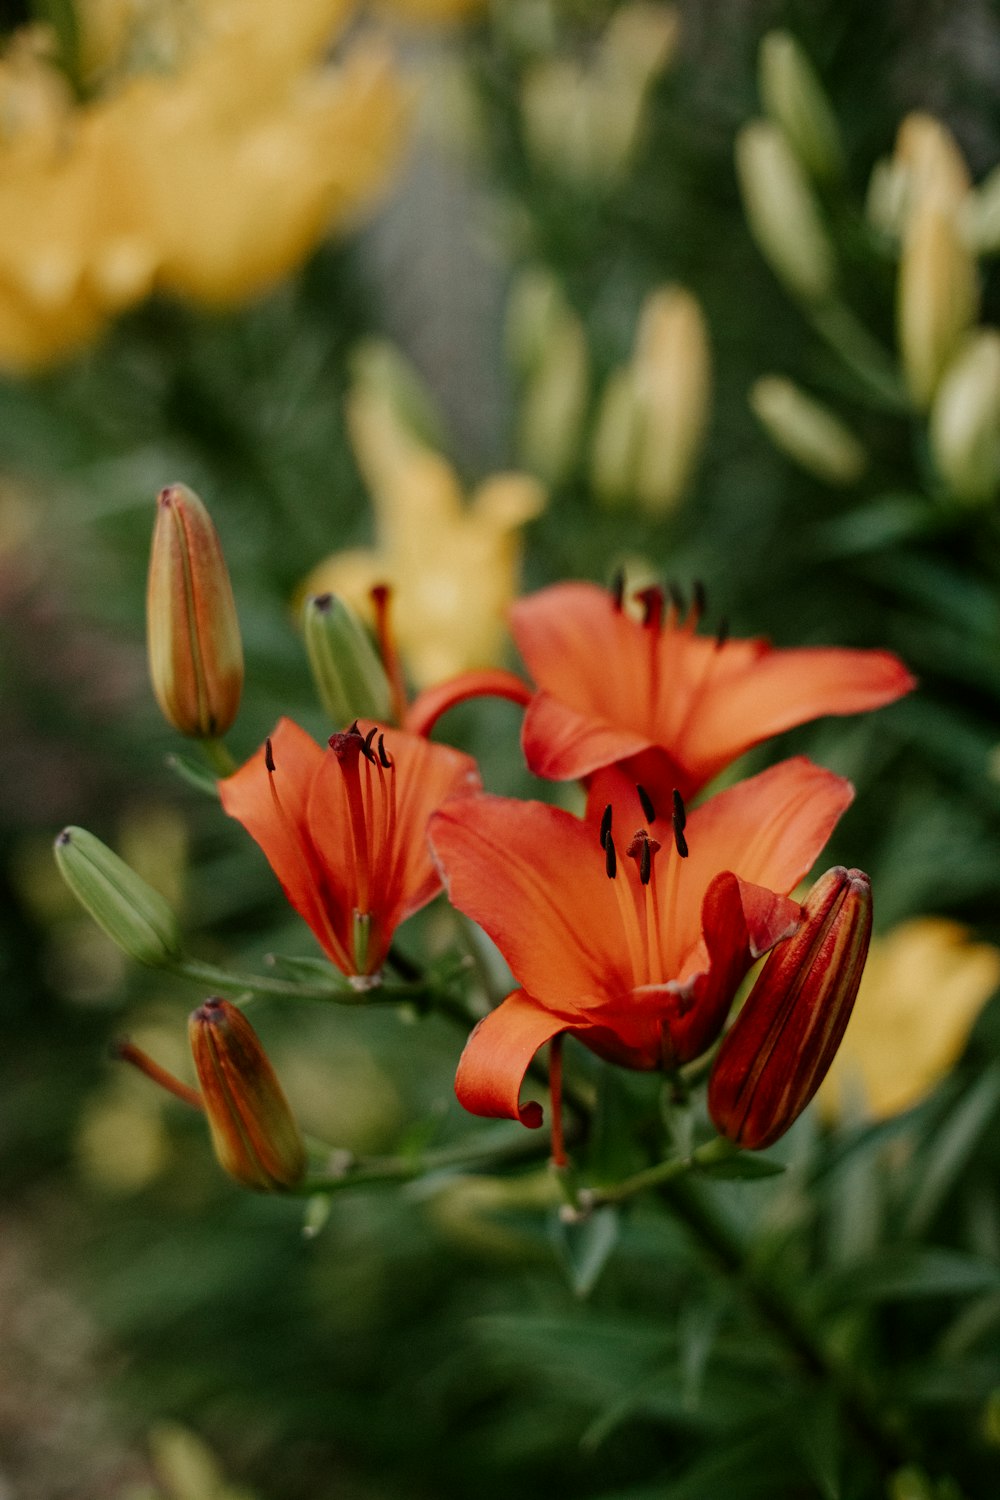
column 612, row 688
column 533, row 877
column 497, row 1056
column 275, row 815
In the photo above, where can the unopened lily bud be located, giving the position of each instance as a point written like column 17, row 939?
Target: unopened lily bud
column 932, row 164
column 349, row 677
column 195, row 651
column 794, row 99
column 781, row 1044
column 938, row 298
column 135, row 917
column 782, row 213
column 808, row 432
column 673, row 381
column 555, row 403
column 617, row 432
column 979, row 216
column 965, row 420
column 255, row 1137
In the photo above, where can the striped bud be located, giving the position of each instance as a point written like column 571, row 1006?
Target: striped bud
column 346, row 669
column 255, row 1138
column 135, row 917
column 193, row 635
column 781, row 1044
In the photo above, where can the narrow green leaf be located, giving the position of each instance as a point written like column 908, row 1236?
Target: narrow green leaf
column 908, row 1271
column 745, row 1167
column 583, row 1247
column 951, row 1145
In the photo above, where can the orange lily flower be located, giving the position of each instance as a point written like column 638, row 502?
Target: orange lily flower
column 344, row 829
column 642, row 966
column 674, row 706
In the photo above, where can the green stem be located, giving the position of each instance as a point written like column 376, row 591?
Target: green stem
column 663, row 1172
column 863, row 355
column 338, row 990
column 391, row 1169
column 788, row 1321
column 219, row 756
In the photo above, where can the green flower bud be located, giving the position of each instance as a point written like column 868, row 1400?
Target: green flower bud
column 782, row 213
column 938, row 298
column 349, row 676
column 965, row 420
column 794, row 99
column 134, row 916
column 808, row 432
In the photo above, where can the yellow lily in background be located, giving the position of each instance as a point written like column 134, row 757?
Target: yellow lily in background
column 452, row 567
column 216, row 150
column 924, row 986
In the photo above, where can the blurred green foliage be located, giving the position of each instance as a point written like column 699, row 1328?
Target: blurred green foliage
column 427, row 1341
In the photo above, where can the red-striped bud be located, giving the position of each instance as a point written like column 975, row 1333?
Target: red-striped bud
column 781, row 1044
column 254, row 1134
column 195, row 651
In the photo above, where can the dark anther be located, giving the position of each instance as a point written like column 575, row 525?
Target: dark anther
column 610, row 858
column 646, row 802
column 699, row 599
column 722, row 634
column 617, row 587
column 605, row 826
column 365, row 746
column 651, row 600
column 677, row 599
column 383, row 754
column 370, row 736
column 642, row 848
column 679, row 820
column 680, row 814
column 268, row 755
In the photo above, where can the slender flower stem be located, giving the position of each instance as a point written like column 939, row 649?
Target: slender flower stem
column 389, row 1169
column 863, row 355
column 336, row 988
column 708, row 1155
column 219, row 757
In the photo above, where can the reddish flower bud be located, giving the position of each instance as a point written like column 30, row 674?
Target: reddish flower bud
column 195, row 652
column 254, row 1135
column 781, row 1044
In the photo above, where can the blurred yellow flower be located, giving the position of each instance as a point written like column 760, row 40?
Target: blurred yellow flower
column 923, row 987
column 216, row 149
column 453, row 567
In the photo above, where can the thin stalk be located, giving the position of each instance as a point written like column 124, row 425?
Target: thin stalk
column 389, row 1169
column 708, row 1155
column 219, row 756
column 863, row 355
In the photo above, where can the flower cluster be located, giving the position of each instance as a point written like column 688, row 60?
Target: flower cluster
column 214, row 148
column 630, row 927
